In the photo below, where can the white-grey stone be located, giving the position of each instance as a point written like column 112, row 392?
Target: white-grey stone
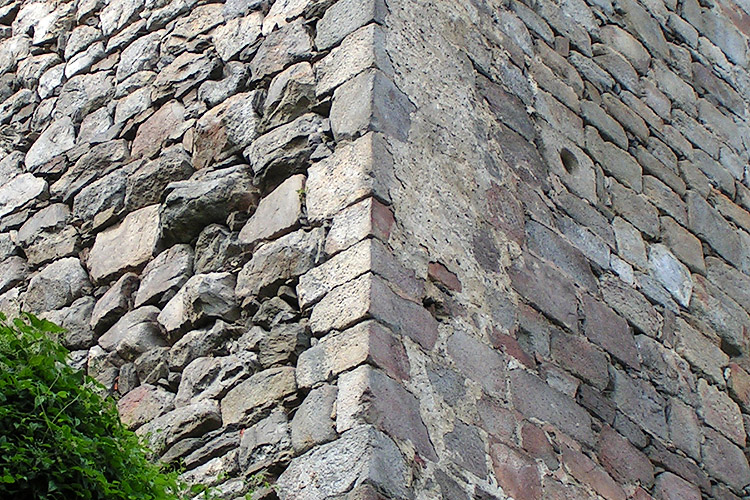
column 57, row 285
column 235, row 34
column 671, row 273
column 58, row 138
column 163, row 276
column 134, row 333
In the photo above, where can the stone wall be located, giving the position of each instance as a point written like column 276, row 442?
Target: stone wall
column 394, row 248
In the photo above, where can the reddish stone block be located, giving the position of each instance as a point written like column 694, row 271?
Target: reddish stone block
column 586, row 471
column 511, row 347
column 535, row 442
column 624, row 462
column 683, row 467
column 439, row 273
column 506, row 212
column 609, row 331
column 366, row 218
column 640, row 494
column 581, row 358
column 671, row 487
column 739, row 386
column 516, row 473
column 547, row 288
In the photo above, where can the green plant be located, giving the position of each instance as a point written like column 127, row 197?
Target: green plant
column 59, row 438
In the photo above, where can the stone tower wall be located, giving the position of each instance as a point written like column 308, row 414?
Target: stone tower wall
column 385, row 249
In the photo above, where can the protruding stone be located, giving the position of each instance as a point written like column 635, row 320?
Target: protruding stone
column 114, row 303
column 134, row 333
column 57, row 285
column 155, row 131
column 290, row 95
column 126, row 246
column 163, row 276
column 193, row 420
column 143, row 404
column 75, row 320
column 251, row 400
column 345, row 17
column 355, row 170
column 19, row 191
column 366, row 218
column 671, row 273
column 314, row 423
column 45, row 236
column 277, row 214
column 58, row 138
column 289, row 45
column 721, row 413
column 231, row 37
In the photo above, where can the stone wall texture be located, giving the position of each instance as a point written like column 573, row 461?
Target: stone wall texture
column 394, row 249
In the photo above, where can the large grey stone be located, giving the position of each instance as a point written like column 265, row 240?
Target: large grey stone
column 289, row 45
column 163, row 276
column 19, row 191
column 146, row 184
column 277, row 214
column 210, row 378
column 284, row 259
column 314, row 423
column 203, row 342
column 45, row 236
column 83, row 94
column 127, row 246
column 671, row 273
column 193, row 420
column 57, row 285
column 267, row 441
column 286, row 150
column 291, row 93
column 209, row 196
column 58, row 138
column 344, row 17
column 115, row 302
column 187, row 71
column 134, row 333
column 95, row 164
column 253, row 399
column 102, row 200
column 75, row 320
column 14, row 270
column 218, row 249
column 362, row 455
column 213, row 92
column 234, row 35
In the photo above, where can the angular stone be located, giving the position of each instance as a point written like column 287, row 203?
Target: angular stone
column 134, row 333
column 213, row 92
column 226, row 128
column 355, row 170
column 725, row 461
column 75, row 320
column 551, row 247
column 83, row 94
column 624, row 462
column 586, row 471
column 95, row 164
column 362, row 455
column 146, row 184
column 210, row 378
column 19, row 191
column 366, row 256
column 366, row 218
column 346, row 16
column 253, row 399
column 671, row 487
column 200, row 343
column 141, row 55
column 633, row 306
column 666, row 371
column 193, row 420
column 636, row 209
column 57, row 285
column 478, row 361
column 202, row 297
column 266, row 442
column 13, row 271
column 163, row 276
column 370, row 102
column 671, row 273
column 363, row 49
column 283, row 11
column 209, row 196
column 217, row 250
column 547, row 289
column 703, row 354
column 126, row 246
column 580, row 358
column 291, row 94
column 725, row 316
column 101, row 201
column 314, row 423
column 609, row 331
column 186, row 72
column 367, row 342
column 630, row 243
column 611, row 131
column 624, row 43
column 721, row 413
column 684, row 429
column 516, row 473
column 535, row 399
column 289, row 45
column 114, row 303
column 45, row 236
column 683, row 244
column 639, row 400
column 143, row 404
column 233, row 36
column 370, row 297
column 367, row 395
column 154, row 132
column 280, row 260
column 57, row 139
column 287, row 149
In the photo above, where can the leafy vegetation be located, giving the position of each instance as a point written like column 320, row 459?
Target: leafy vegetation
column 59, row 438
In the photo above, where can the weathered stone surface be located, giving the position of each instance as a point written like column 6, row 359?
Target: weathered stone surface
column 146, row 184
column 366, row 256
column 366, row 218
column 585, row 470
column 668, row 372
column 286, row 149
column 114, row 303
column 126, row 246
column 725, row 461
column 355, row 170
column 217, row 250
column 516, row 472
column 267, row 441
column 289, row 45
column 187, row 71
column 75, row 320
column 345, row 17
column 57, row 285
column 369, row 296
column 290, row 95
column 213, row 92
column 683, row 244
column 671, row 273
column 370, row 102
column 641, row 402
column 45, row 236
column 82, row 94
column 19, row 191
column 314, row 423
column 143, row 404
column 633, row 306
column 581, row 358
column 710, row 226
column 277, row 214
column 227, row 128
column 233, row 36
column 157, row 129
column 635, row 208
column 721, row 313
column 367, row 395
column 94, row 164
column 202, row 297
column 14, row 271
column 366, row 342
column 163, row 276
column 672, row 487
column 188, row 421
column 535, row 399
column 252, row 400
column 550, row 246
column 210, row 378
column 721, row 413
column 202, row 342
column 101, row 201
column 209, row 196
column 280, row 260
column 547, row 289
column 134, row 333
column 362, row 455
column 58, row 138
